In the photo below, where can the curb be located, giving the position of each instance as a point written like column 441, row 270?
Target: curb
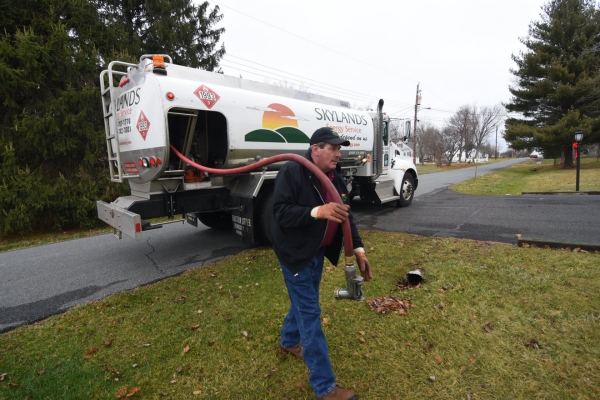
column 570, row 193
column 558, row 245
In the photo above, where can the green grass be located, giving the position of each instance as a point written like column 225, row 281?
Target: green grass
column 540, row 307
column 533, row 177
column 21, row 241
column 428, row 168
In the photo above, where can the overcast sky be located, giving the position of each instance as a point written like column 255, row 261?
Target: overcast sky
column 459, row 51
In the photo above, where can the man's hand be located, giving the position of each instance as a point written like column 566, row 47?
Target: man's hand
column 335, row 212
column 364, row 266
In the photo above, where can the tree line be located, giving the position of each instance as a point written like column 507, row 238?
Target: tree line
column 53, row 163
column 465, row 135
column 556, row 92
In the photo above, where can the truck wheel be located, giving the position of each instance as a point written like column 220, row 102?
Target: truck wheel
column 220, row 220
column 265, row 215
column 407, row 191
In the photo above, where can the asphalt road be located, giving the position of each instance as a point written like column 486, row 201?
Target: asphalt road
column 41, row 281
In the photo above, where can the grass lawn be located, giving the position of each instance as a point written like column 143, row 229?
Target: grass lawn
column 491, row 321
column 533, row 177
column 428, row 168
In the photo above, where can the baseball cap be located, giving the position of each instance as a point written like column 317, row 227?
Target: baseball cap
column 327, row 135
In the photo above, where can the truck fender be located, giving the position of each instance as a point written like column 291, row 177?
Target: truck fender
column 398, row 168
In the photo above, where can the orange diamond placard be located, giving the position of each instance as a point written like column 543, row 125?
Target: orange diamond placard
column 207, row 96
column 143, row 125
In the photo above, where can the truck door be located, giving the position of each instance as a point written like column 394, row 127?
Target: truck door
column 386, row 148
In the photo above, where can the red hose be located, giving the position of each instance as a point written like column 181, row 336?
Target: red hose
column 347, row 232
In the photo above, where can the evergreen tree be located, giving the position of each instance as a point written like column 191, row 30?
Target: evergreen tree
column 557, row 80
column 53, row 163
column 177, row 27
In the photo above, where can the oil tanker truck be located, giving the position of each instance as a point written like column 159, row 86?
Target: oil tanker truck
column 162, row 119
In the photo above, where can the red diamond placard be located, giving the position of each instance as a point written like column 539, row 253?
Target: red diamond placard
column 207, row 96
column 143, row 125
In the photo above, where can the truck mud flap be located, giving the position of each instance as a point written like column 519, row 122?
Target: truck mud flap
column 123, row 221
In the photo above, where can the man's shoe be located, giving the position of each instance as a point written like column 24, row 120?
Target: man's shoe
column 296, row 350
column 339, row 393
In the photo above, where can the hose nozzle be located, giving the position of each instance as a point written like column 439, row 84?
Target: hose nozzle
column 353, row 283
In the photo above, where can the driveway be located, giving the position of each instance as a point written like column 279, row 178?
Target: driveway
column 41, row 281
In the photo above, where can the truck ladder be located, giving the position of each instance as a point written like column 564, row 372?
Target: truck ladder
column 107, row 88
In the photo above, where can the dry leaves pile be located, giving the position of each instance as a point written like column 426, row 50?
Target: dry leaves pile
column 389, row 303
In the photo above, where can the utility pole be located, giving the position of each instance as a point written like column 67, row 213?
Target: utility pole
column 415, row 134
column 496, row 150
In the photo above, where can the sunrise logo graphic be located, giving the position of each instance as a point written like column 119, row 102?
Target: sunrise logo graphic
column 279, row 125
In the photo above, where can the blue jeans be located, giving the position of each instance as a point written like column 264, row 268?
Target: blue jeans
column 302, row 324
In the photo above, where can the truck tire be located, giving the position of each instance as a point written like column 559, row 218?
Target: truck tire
column 220, row 220
column 407, row 191
column 264, row 217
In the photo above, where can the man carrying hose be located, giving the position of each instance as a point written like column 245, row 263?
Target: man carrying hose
column 306, row 228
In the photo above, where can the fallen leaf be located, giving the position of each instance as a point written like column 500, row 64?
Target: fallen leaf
column 408, row 344
column 463, row 368
column 432, row 378
column 2, row 376
column 362, row 333
column 146, row 345
column 488, row 327
column 42, row 372
column 362, row 339
column 368, row 356
column 300, row 386
column 132, row 392
column 518, row 235
column 91, row 352
column 472, row 360
column 197, row 392
column 111, row 369
column 245, row 334
column 193, row 327
column 200, row 311
column 325, row 321
column 121, row 393
column 186, row 349
column 526, row 245
column 438, row 359
column 174, row 381
column 180, row 368
column 108, row 342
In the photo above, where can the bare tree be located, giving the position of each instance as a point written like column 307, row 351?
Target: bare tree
column 450, row 143
column 463, row 125
column 427, row 137
column 486, row 119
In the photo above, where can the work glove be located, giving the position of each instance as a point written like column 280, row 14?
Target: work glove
column 364, row 266
column 335, row 212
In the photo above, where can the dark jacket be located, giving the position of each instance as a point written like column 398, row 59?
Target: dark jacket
column 296, row 235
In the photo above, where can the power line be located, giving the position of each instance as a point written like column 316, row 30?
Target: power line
column 331, row 89
column 314, row 43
